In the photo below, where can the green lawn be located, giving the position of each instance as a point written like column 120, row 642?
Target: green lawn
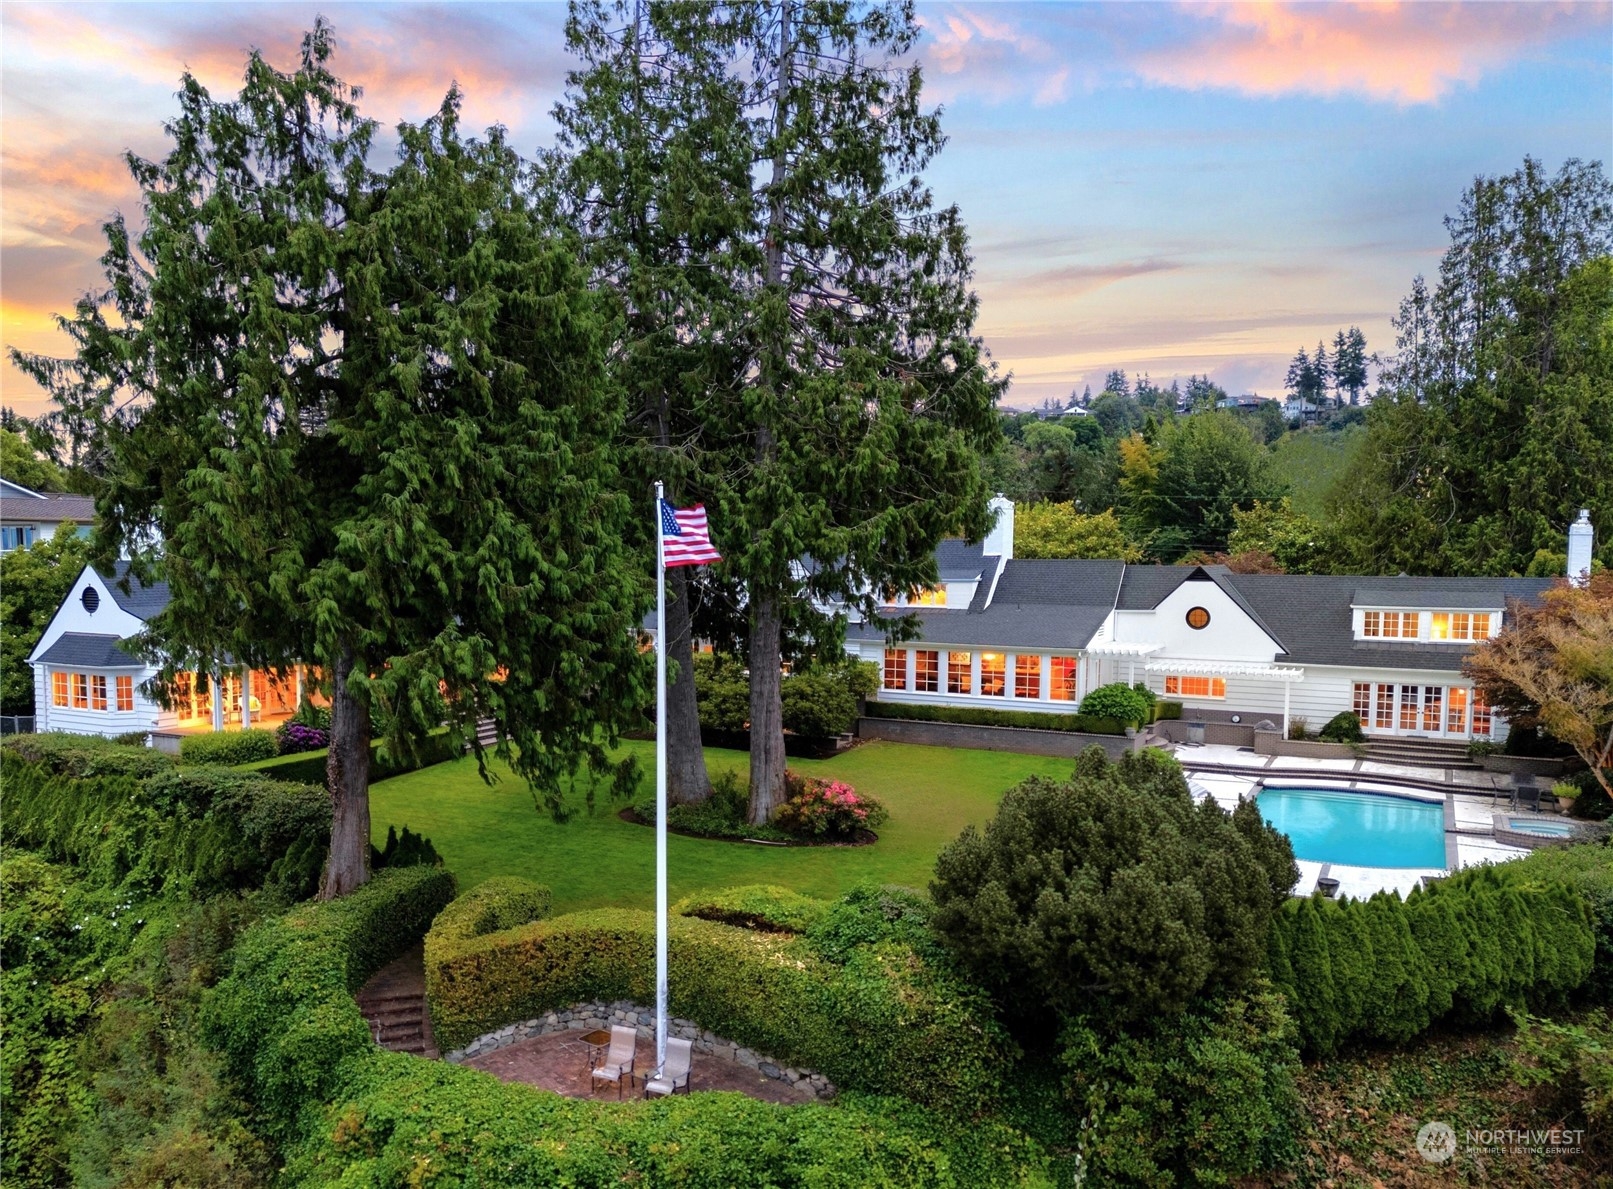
column 595, row 860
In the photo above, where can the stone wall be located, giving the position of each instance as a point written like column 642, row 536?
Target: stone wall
column 585, row 1017
column 1022, row 740
column 1225, row 734
column 1272, row 743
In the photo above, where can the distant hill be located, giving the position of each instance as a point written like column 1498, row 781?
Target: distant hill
column 1313, row 460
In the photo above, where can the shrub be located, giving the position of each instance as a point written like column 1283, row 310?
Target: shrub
column 1118, row 701
column 292, row 737
column 1587, row 867
column 817, row 704
column 1343, row 727
column 309, row 767
column 722, row 690
column 406, row 850
column 1479, row 748
column 873, row 913
column 1167, row 710
column 818, row 808
column 1592, row 804
column 1299, row 728
column 1574, row 1061
column 1385, row 969
column 502, row 902
column 228, row 747
column 755, row 906
column 285, row 1019
column 884, row 1021
column 1206, row 1100
column 1148, row 695
column 63, row 754
column 985, row 717
column 132, row 739
column 1111, row 888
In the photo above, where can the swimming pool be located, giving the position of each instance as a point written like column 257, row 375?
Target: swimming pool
column 1358, row 829
column 1529, row 825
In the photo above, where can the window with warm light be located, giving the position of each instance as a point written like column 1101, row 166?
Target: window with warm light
column 993, row 674
column 896, row 668
column 1196, row 687
column 926, row 670
column 1459, row 625
column 98, row 691
column 1027, row 676
column 81, row 691
column 125, row 693
column 1064, row 678
column 1482, row 723
column 958, row 677
column 935, row 596
column 1384, row 715
column 1390, row 625
column 58, row 689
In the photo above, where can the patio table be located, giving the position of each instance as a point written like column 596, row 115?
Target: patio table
column 597, row 1041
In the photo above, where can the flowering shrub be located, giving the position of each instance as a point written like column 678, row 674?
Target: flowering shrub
column 294, row 736
column 826, row 808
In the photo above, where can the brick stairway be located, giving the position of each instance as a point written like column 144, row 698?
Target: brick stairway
column 394, row 1004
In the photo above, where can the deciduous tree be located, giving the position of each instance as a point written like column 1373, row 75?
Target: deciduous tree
column 1062, row 530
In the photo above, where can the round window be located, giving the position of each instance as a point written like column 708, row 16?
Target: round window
column 90, row 598
column 1198, row 618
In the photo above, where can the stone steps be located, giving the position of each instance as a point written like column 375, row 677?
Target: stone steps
column 394, row 1006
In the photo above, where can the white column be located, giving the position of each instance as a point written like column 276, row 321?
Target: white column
column 216, row 680
column 246, row 698
column 298, row 670
column 908, row 666
column 1288, row 690
column 1131, row 671
column 1045, row 689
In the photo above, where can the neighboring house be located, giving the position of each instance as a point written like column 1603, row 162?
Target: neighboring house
column 1038, row 635
column 27, row 516
column 86, row 683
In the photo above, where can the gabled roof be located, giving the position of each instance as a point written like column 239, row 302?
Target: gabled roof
column 1145, row 587
column 959, row 561
column 143, row 602
column 51, row 506
column 1440, row 594
column 87, row 651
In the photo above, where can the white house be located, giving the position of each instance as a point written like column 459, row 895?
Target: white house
column 85, row 682
column 1038, row 635
column 27, row 516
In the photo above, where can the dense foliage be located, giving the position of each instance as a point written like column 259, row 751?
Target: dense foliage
column 818, row 808
column 229, row 747
column 818, row 700
column 309, row 767
column 64, row 754
column 33, row 583
column 1061, row 530
column 1111, row 888
column 755, row 906
column 1384, row 969
column 1343, row 727
column 1120, row 701
column 985, row 717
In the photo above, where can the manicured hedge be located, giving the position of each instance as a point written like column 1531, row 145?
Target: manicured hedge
column 1164, row 710
column 885, row 1021
column 502, row 902
column 308, row 767
column 982, row 717
column 347, row 1112
column 755, row 906
column 1384, row 969
column 86, row 755
column 228, row 747
column 200, row 830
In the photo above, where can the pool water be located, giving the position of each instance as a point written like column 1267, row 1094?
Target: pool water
column 1529, row 825
column 1358, row 829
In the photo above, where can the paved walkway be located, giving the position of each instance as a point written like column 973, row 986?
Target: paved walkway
column 558, row 1061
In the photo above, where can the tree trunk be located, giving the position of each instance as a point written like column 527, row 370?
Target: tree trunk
column 766, row 710
column 686, row 777
column 347, row 773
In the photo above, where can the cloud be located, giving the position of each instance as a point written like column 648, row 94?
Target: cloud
column 1072, row 280
column 1397, row 53
column 987, row 52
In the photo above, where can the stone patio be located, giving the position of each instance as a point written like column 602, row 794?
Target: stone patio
column 558, row 1061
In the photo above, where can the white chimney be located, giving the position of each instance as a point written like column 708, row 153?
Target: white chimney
column 1000, row 540
column 1580, row 536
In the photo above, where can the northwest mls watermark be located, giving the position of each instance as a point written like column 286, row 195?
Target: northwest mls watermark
column 1437, row 1142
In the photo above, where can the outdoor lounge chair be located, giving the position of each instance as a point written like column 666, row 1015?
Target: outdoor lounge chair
column 1524, row 791
column 618, row 1063
column 675, row 1075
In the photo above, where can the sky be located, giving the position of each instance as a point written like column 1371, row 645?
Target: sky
column 1170, row 189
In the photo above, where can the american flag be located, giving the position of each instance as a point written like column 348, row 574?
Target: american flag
column 685, row 538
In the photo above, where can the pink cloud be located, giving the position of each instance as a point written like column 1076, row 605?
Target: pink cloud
column 1399, row 53
column 974, row 50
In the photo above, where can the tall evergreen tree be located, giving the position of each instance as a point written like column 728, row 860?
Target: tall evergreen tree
column 374, row 432
column 1117, row 383
column 1350, row 363
column 1322, row 369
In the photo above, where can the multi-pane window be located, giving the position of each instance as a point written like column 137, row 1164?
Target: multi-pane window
column 125, row 693
column 1433, row 699
column 1027, row 676
column 98, row 691
column 896, row 668
column 81, row 691
column 1459, row 625
column 16, row 536
column 1390, row 625
column 1481, row 715
column 1408, row 707
column 1481, row 625
column 58, row 689
column 1196, row 687
column 1362, row 703
column 935, row 596
column 993, row 674
column 958, row 679
column 1384, row 717
column 926, row 670
column 1456, row 711
column 1064, row 678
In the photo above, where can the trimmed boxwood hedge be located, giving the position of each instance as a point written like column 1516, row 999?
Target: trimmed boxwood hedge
column 755, row 906
column 86, row 755
column 1385, row 969
column 308, row 767
column 347, row 1112
column 982, row 717
column 228, row 747
column 885, row 1021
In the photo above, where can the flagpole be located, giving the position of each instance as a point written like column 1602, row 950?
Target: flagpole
column 660, row 785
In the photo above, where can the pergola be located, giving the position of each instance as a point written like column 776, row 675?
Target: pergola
column 1235, row 669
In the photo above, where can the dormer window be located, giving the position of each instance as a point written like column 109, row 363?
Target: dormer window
column 934, row 596
column 1459, row 625
column 1390, row 625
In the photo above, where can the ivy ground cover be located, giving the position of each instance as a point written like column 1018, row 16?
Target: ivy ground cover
column 596, row 860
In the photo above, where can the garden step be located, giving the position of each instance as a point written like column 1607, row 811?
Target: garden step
column 393, row 1003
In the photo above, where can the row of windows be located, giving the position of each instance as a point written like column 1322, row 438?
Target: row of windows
column 1436, row 709
column 1442, row 625
column 934, row 596
column 16, row 536
column 1196, row 687
column 88, row 691
column 960, row 673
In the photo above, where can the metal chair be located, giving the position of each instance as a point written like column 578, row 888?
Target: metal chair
column 675, row 1074
column 618, row 1063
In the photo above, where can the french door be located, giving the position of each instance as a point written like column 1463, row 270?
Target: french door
column 1445, row 711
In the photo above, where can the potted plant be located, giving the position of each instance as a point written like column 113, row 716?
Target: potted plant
column 1565, row 794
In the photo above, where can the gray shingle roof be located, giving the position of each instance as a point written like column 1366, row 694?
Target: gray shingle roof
column 22, row 509
column 959, row 561
column 1145, row 587
column 1442, row 594
column 143, row 602
column 88, row 651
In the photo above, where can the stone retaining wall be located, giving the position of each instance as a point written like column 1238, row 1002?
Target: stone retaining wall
column 1023, row 740
column 585, row 1017
column 1272, row 743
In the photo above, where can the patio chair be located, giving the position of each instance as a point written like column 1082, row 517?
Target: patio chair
column 675, row 1074
column 1523, row 787
column 618, row 1063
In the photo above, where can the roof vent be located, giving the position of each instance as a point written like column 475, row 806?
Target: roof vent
column 91, row 598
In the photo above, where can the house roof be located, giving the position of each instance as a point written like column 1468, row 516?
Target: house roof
column 51, row 506
column 959, row 561
column 1145, row 587
column 87, row 650
column 1443, row 594
column 143, row 602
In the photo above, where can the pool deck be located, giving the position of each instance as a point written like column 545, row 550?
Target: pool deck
column 1469, row 813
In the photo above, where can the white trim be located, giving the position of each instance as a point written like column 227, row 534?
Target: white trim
column 1178, row 668
column 1122, row 648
